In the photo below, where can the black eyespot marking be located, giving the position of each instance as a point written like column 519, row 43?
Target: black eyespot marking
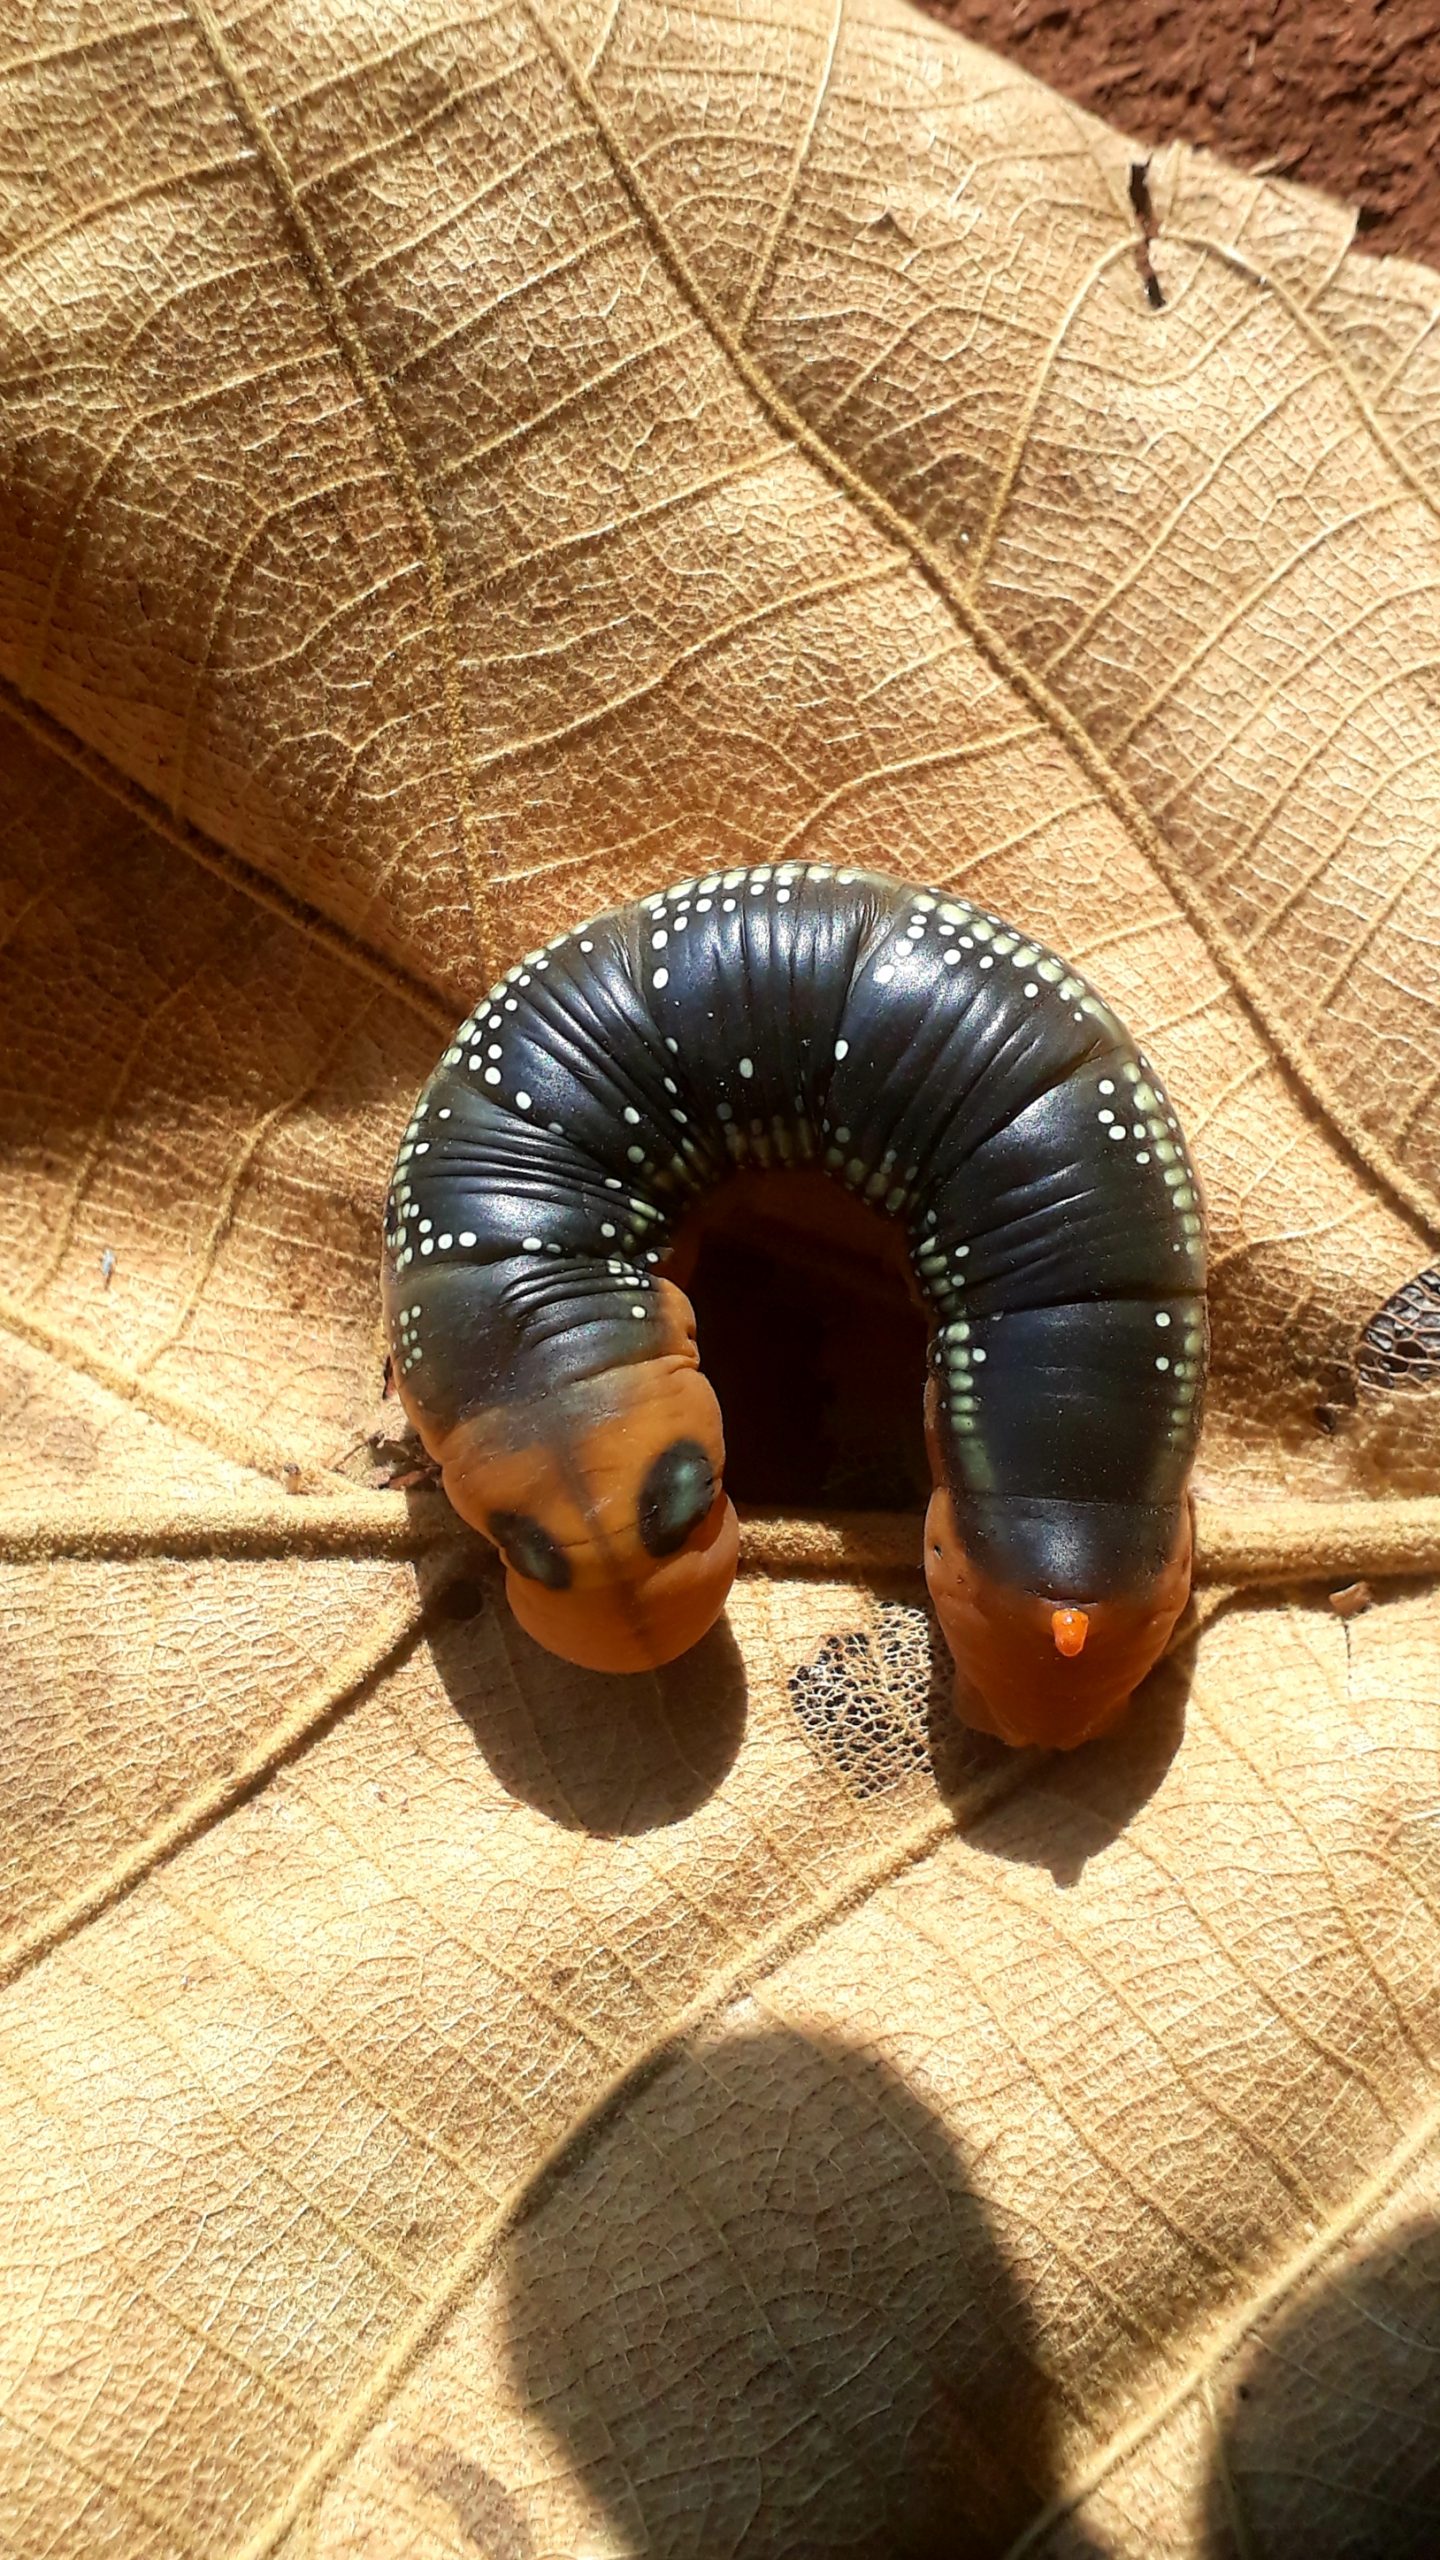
column 935, row 1063
column 529, row 1549
column 675, row 1497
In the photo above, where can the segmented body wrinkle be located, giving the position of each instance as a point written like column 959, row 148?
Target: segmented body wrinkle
column 955, row 1075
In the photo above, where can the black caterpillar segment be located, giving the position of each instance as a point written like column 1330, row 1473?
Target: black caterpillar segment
column 951, row 1072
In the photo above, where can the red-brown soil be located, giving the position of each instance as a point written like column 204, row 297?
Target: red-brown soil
column 1344, row 94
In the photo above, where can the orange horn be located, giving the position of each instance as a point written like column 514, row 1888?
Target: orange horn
column 1069, row 1627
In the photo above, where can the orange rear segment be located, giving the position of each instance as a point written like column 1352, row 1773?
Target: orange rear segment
column 1033, row 1671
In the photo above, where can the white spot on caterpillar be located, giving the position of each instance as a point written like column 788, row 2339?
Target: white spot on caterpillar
column 747, row 1066
column 1162, row 1318
column 522, row 1101
column 883, row 977
column 532, row 1244
column 632, row 1115
column 661, row 978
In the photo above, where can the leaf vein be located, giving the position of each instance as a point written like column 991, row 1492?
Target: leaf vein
column 372, row 390
column 770, row 250
column 1411, row 1193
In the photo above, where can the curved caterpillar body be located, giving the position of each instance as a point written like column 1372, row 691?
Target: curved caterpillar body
column 952, row 1073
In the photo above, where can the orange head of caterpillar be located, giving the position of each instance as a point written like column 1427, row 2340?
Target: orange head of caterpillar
column 1035, row 1669
column 605, row 1497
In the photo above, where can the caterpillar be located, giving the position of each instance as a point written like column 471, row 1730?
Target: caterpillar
column 963, row 1081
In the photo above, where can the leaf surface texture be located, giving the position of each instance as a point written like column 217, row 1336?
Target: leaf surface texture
column 461, row 467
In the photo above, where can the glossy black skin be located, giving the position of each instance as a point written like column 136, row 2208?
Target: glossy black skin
column 979, row 1093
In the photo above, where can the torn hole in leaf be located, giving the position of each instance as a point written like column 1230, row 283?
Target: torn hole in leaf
column 868, row 1701
column 1400, row 1346
column 1144, row 211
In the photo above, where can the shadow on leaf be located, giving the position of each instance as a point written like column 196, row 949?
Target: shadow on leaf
column 765, row 2314
column 877, row 1705
column 611, row 1753
column 1328, row 2427
column 1080, row 1803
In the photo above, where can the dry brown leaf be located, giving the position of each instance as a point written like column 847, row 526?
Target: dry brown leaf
column 461, row 466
